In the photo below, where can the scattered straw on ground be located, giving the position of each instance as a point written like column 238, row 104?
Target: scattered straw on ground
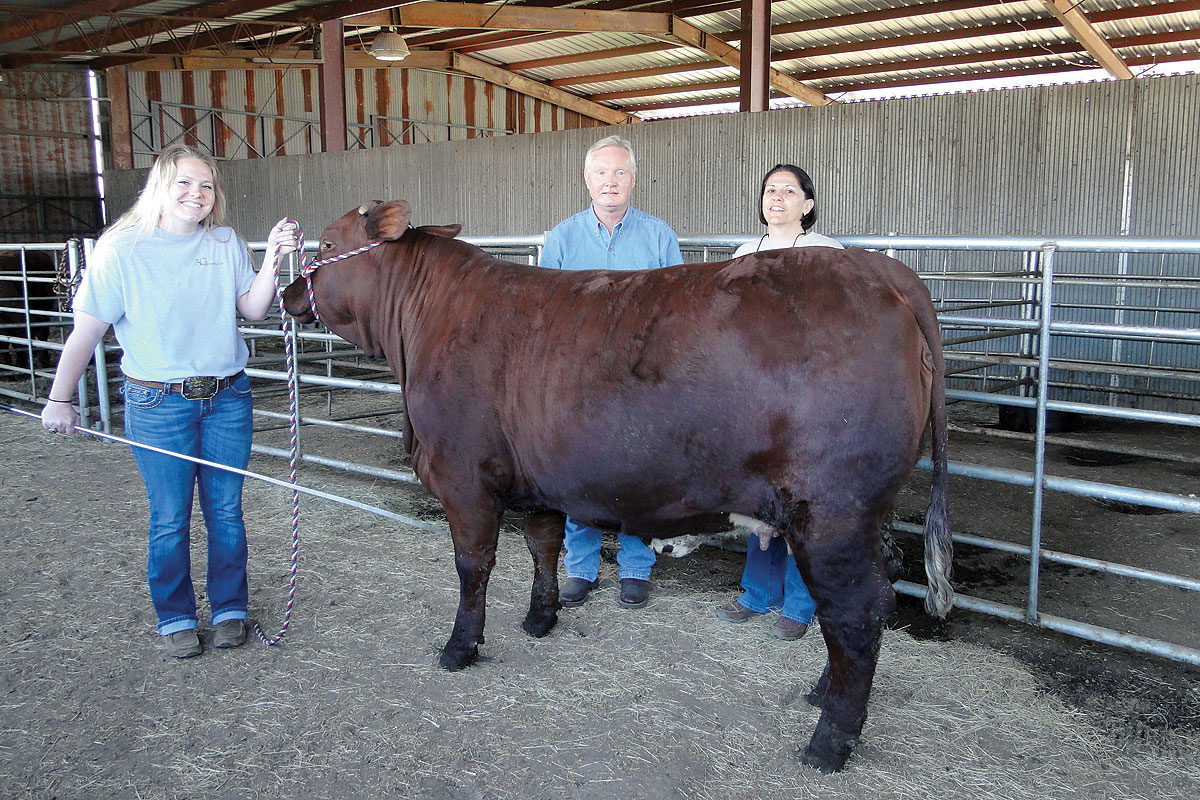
column 666, row 702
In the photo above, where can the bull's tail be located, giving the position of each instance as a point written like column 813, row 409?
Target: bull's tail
column 939, row 547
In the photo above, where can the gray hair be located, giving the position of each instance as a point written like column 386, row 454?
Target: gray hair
column 611, row 141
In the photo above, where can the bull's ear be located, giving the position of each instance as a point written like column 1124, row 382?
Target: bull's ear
column 448, row 231
column 388, row 221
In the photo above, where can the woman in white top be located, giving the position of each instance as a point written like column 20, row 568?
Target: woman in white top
column 788, row 207
column 771, row 581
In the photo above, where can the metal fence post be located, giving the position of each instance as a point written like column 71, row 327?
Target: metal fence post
column 1039, row 464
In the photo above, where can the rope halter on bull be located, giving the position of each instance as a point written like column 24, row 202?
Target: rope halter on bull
column 289, row 353
column 308, row 269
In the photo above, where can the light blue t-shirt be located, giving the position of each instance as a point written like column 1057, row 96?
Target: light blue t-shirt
column 638, row 241
column 171, row 300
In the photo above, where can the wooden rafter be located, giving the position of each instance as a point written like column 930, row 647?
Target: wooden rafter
column 519, row 83
column 435, row 14
column 663, row 26
column 686, row 33
column 1086, row 34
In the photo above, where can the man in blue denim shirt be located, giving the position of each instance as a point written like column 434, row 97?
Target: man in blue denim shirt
column 610, row 234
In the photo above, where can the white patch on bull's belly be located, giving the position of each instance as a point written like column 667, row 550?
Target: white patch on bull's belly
column 680, row 546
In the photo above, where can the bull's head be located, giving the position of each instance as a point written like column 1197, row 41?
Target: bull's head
column 346, row 291
column 373, row 221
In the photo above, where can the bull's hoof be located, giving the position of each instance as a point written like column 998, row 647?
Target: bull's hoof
column 455, row 658
column 537, row 624
column 828, row 750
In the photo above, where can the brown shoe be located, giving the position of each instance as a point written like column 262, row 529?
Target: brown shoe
column 182, row 644
column 734, row 611
column 635, row 593
column 230, row 633
column 785, row 628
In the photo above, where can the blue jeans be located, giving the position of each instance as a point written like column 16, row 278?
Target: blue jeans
column 582, row 558
column 217, row 430
column 772, row 582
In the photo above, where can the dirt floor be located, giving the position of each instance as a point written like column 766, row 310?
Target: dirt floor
column 666, row 702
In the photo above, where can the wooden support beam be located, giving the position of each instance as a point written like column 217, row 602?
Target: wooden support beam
column 331, row 81
column 688, row 34
column 435, row 14
column 120, row 124
column 755, row 47
column 519, row 83
column 1078, row 25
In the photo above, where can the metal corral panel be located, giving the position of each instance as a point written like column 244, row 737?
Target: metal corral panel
column 47, row 160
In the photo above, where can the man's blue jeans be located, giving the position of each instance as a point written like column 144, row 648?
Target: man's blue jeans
column 772, row 582
column 217, row 430
column 582, row 556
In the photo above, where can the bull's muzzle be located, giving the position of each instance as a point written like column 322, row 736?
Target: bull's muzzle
column 295, row 302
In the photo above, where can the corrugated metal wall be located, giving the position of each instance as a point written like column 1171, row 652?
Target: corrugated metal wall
column 1043, row 161
column 47, row 164
column 274, row 112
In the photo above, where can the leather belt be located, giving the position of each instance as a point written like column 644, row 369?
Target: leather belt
column 198, row 387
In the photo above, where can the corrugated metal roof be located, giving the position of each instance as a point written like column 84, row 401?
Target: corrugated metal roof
column 830, row 45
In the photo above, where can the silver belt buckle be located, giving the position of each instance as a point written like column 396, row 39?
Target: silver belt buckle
column 199, row 387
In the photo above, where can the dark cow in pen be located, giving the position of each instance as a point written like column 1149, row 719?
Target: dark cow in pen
column 785, row 391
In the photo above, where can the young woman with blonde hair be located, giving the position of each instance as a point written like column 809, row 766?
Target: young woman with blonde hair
column 171, row 278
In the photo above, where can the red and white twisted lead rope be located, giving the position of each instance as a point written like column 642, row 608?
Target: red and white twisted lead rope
column 306, row 272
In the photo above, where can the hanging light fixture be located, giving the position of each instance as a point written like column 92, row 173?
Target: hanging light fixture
column 389, row 46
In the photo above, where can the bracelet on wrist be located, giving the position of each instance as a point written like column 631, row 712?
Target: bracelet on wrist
column 52, row 400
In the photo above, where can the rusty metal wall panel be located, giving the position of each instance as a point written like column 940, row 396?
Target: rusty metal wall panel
column 47, row 161
column 264, row 112
column 383, row 107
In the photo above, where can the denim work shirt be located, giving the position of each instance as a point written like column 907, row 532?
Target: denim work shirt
column 638, row 241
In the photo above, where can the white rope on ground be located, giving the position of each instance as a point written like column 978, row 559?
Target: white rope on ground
column 401, row 518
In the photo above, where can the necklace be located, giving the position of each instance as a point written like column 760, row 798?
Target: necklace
column 763, row 238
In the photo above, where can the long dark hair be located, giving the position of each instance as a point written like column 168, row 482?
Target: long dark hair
column 806, row 186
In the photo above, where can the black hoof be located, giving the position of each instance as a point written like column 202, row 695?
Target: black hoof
column 538, row 625
column 826, row 762
column 453, row 659
column 828, row 749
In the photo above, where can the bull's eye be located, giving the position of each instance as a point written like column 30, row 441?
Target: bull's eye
column 325, row 246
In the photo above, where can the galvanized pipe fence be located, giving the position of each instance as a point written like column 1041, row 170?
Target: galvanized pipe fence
column 1000, row 354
